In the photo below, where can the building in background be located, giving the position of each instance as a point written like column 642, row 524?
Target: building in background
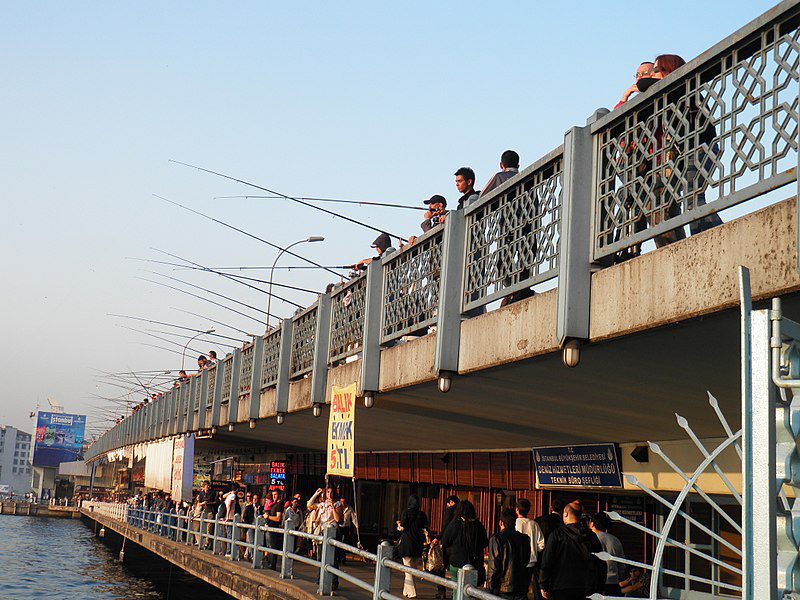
column 15, row 461
column 59, row 438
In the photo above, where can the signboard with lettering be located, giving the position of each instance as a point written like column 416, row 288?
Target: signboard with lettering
column 59, row 438
column 582, row 466
column 277, row 475
column 630, row 507
column 183, row 468
column 341, row 431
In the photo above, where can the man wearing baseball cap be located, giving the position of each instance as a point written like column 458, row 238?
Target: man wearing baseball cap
column 436, row 213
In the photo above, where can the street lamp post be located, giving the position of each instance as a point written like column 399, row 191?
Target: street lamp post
column 313, row 238
column 183, row 358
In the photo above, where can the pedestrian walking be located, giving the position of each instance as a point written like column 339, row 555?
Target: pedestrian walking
column 507, row 566
column 411, row 527
column 465, row 540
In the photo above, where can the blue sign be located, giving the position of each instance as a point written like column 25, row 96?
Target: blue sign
column 583, row 466
column 59, row 438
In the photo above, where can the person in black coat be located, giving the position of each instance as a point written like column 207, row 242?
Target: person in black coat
column 411, row 526
column 509, row 553
column 550, row 522
column 465, row 540
column 569, row 569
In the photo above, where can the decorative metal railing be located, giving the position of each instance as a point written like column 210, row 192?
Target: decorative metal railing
column 249, row 544
column 246, row 369
column 196, row 394
column 513, row 234
column 721, row 130
column 227, row 376
column 304, row 333
column 212, row 380
column 411, row 283
column 347, row 319
column 270, row 356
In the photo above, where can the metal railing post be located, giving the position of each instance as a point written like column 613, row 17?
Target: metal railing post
column 326, row 557
column 319, row 371
column 448, row 325
column 258, row 541
column 373, row 315
column 287, row 563
column 383, row 574
column 215, row 543
column 466, row 576
column 284, row 367
column 234, row 537
column 576, row 241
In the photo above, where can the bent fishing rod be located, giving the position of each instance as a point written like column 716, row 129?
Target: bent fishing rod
column 219, row 335
column 269, row 191
column 247, row 233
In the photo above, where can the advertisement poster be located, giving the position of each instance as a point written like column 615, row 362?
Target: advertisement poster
column 277, row 475
column 341, row 431
column 59, row 438
column 183, row 468
column 585, row 466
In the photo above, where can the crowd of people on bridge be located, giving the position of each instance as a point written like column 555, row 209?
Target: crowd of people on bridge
column 550, row 557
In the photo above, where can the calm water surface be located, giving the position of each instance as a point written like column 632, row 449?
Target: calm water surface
column 62, row 558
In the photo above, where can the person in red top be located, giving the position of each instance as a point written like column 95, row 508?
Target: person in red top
column 643, row 72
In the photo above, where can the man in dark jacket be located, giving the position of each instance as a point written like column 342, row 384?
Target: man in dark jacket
column 550, row 522
column 569, row 570
column 509, row 552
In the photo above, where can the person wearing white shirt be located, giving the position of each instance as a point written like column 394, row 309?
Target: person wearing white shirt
column 530, row 528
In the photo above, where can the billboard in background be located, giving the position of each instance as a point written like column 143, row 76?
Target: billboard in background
column 59, row 438
column 341, row 431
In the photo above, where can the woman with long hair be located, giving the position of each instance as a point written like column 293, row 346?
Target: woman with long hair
column 411, row 526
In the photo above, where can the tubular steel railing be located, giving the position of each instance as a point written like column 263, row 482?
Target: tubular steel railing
column 304, row 333
column 513, row 234
column 270, row 356
column 411, row 285
column 347, row 319
column 721, row 130
column 240, row 541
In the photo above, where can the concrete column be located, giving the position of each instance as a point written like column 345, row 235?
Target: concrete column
column 233, row 401
column 255, row 379
column 284, row 366
column 319, row 373
column 448, row 328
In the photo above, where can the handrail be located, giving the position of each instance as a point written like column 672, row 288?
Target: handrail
column 224, row 537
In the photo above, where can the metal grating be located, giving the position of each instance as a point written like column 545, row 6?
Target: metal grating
column 513, row 237
column 304, row 334
column 212, row 380
column 347, row 319
column 411, row 287
column 246, row 369
column 722, row 134
column 196, row 395
column 271, row 355
column 227, row 376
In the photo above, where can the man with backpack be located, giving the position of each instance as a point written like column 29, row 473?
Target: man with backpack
column 569, row 569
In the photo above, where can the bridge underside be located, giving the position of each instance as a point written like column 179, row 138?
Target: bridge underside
column 626, row 389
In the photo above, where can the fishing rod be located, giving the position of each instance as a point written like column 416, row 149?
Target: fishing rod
column 189, row 337
column 208, row 291
column 227, row 337
column 159, row 338
column 337, row 200
column 269, row 191
column 315, row 292
column 213, row 321
column 252, row 287
column 159, row 347
column 278, row 267
column 243, row 232
column 211, row 270
column 259, row 321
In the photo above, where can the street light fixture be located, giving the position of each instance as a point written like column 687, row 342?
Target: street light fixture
column 312, row 238
column 183, row 358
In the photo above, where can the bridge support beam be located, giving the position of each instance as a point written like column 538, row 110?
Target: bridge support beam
column 319, row 372
column 448, row 325
column 371, row 346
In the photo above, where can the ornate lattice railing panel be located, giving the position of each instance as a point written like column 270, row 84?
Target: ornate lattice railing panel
column 271, row 354
column 513, row 236
column 212, row 380
column 723, row 133
column 304, row 334
column 411, row 281
column 246, row 369
column 227, row 375
column 196, row 394
column 347, row 319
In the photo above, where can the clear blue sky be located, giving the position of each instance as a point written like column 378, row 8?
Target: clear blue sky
column 355, row 100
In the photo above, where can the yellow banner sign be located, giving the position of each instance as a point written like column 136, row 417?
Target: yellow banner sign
column 341, row 431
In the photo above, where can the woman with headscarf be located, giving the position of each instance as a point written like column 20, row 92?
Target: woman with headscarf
column 411, row 526
column 465, row 540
